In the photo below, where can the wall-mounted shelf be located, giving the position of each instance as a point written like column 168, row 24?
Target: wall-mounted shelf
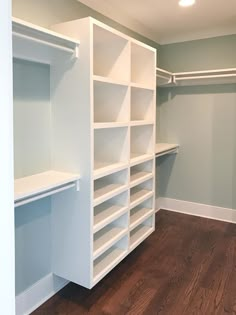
column 34, row 43
column 31, row 188
column 205, row 77
column 166, row 148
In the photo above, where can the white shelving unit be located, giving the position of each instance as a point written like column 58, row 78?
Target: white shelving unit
column 117, row 87
column 166, row 148
column 204, row 77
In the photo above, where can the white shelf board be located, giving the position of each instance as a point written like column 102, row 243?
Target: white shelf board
column 190, row 78
column 105, row 168
column 142, row 86
column 139, row 234
column 106, row 191
column 105, row 238
column 166, row 148
column 105, row 213
column 141, row 122
column 138, row 195
column 110, row 125
column 31, row 42
column 37, row 184
column 107, row 262
column 137, row 216
column 98, row 78
column 136, row 158
column 138, row 177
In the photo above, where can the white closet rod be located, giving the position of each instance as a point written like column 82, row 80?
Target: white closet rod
column 43, row 195
column 40, row 41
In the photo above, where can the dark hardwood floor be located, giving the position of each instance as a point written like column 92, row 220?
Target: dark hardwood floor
column 187, row 266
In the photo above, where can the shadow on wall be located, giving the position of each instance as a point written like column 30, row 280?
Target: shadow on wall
column 202, row 120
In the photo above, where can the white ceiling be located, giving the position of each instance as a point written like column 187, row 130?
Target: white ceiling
column 164, row 21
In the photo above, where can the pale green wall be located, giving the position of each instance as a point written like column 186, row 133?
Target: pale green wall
column 202, row 120
column 48, row 12
column 204, row 54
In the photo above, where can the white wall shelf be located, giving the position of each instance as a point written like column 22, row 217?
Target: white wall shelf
column 138, row 215
column 204, row 77
column 166, row 148
column 30, row 188
column 106, row 237
column 117, row 109
column 138, row 234
column 34, row 43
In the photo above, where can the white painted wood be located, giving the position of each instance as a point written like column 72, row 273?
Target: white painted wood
column 204, row 77
column 110, row 146
column 141, row 232
column 166, row 148
column 40, row 292
column 31, row 42
column 138, row 215
column 39, row 183
column 106, row 237
column 107, row 261
column 106, row 213
column 7, row 268
column 197, row 209
column 111, row 103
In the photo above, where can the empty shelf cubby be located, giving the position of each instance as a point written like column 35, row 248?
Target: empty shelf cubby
column 141, row 172
column 111, row 103
column 142, row 144
column 142, row 109
column 141, row 192
column 142, row 66
column 109, row 210
column 109, row 259
column 110, row 150
column 141, row 232
column 141, row 212
column 108, row 186
column 110, row 234
column 111, row 54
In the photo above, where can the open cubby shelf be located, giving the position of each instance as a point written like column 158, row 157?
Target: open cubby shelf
column 140, row 173
column 139, row 233
column 110, row 258
column 105, row 238
column 141, row 212
column 142, row 106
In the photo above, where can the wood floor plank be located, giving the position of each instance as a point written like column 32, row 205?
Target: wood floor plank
column 188, row 266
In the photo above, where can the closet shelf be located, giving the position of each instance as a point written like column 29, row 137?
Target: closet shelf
column 166, row 148
column 139, row 215
column 30, row 188
column 34, row 43
column 139, row 234
column 106, row 262
column 104, row 125
column 104, row 191
column 205, row 77
column 141, row 122
column 105, row 238
column 138, row 177
column 105, row 168
column 105, row 213
column 136, row 158
column 98, row 78
column 138, row 195
column 141, row 86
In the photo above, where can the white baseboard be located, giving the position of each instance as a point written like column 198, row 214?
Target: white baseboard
column 40, row 292
column 197, row 209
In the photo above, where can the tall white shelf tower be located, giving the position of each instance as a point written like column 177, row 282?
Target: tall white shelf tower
column 116, row 84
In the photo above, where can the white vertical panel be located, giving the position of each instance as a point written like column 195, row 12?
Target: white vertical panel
column 7, row 271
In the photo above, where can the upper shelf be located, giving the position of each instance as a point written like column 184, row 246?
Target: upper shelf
column 30, row 188
column 166, row 148
column 34, row 43
column 218, row 76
